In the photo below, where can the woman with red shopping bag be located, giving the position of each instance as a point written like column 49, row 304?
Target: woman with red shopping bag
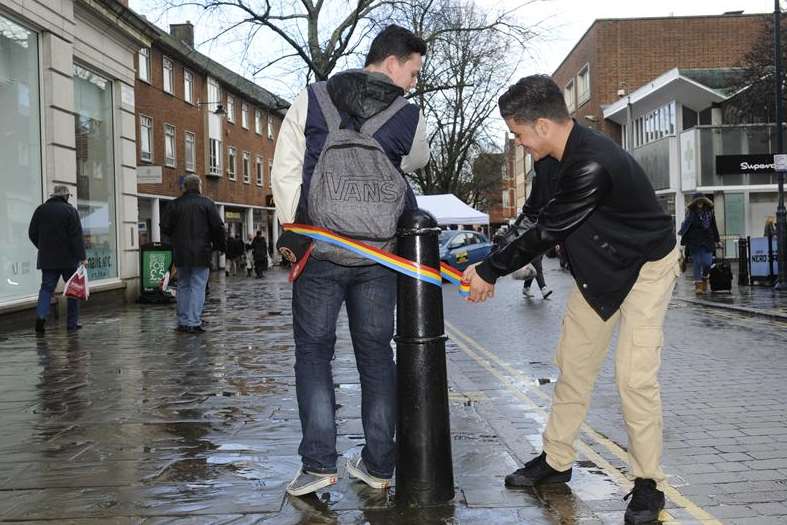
column 56, row 231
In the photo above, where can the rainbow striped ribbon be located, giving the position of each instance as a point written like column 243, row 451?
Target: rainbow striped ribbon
column 387, row 259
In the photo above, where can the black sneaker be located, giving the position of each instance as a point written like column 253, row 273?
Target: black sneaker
column 40, row 325
column 535, row 472
column 646, row 502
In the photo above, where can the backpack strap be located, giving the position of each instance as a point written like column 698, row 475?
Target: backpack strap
column 328, row 108
column 373, row 125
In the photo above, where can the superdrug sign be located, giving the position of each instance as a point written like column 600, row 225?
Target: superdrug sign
column 736, row 164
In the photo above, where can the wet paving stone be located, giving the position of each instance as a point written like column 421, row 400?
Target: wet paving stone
column 128, row 421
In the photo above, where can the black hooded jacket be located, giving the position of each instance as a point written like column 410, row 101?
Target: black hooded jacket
column 604, row 213
column 358, row 95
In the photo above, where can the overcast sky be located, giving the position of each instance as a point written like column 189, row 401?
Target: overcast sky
column 560, row 24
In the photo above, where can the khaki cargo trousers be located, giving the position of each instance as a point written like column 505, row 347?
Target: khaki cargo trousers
column 583, row 345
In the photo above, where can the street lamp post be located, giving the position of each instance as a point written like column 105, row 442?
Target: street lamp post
column 781, row 213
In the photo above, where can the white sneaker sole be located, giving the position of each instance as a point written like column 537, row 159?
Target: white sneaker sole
column 375, row 483
column 326, row 481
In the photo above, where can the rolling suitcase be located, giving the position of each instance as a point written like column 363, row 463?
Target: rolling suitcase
column 720, row 277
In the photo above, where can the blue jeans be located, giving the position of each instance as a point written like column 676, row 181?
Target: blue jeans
column 701, row 259
column 370, row 296
column 49, row 279
column 191, row 294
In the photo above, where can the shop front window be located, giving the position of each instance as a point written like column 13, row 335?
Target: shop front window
column 20, row 150
column 95, row 171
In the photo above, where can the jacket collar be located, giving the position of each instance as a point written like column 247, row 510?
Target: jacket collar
column 573, row 141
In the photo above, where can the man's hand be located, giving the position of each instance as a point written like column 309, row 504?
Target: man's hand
column 480, row 290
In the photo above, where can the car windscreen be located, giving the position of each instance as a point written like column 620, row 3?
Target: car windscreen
column 444, row 237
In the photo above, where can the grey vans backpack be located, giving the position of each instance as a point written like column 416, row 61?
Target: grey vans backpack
column 355, row 189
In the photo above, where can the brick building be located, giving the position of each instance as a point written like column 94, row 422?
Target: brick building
column 502, row 205
column 616, row 56
column 178, row 92
column 658, row 86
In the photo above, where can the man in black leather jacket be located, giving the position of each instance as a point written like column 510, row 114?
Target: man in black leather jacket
column 622, row 253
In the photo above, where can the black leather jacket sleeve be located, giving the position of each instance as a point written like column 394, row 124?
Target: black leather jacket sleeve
column 581, row 188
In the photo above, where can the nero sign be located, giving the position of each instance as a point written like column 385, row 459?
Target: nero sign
column 736, row 164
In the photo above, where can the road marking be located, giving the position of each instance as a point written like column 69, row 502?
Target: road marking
column 672, row 493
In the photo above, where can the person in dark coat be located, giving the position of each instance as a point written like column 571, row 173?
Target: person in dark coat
column 260, row 247
column 700, row 235
column 235, row 251
column 56, row 231
column 194, row 228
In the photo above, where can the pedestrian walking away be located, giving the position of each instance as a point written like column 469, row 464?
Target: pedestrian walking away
column 194, row 228
column 249, row 255
column 624, row 260
column 357, row 118
column 700, row 235
column 235, row 252
column 546, row 175
column 55, row 229
column 259, row 248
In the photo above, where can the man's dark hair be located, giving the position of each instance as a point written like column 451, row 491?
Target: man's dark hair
column 397, row 41
column 532, row 98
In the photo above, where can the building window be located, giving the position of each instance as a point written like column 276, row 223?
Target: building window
column 145, row 138
column 258, row 121
column 144, row 64
column 232, row 155
column 246, row 167
column 270, row 126
column 214, row 95
column 214, row 159
column 168, row 75
column 583, row 85
column 169, row 145
column 230, row 108
column 244, row 116
column 190, row 152
column 188, row 86
column 260, row 167
column 20, row 151
column 506, row 199
column 270, row 170
column 569, row 93
column 95, row 147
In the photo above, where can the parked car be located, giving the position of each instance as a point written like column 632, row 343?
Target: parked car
column 461, row 248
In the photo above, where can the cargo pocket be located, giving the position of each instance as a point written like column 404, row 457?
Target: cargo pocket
column 645, row 357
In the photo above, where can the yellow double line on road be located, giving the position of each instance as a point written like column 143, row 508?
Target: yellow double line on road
column 489, row 360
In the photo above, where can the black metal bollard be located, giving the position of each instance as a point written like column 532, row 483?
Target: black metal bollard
column 424, row 468
column 743, row 262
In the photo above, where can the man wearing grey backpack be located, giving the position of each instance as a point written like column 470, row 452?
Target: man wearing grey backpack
column 340, row 160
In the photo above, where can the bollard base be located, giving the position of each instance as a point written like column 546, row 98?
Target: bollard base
column 424, row 474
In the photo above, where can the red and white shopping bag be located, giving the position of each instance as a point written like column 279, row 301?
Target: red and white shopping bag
column 77, row 286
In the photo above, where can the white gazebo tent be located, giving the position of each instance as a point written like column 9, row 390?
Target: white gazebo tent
column 448, row 209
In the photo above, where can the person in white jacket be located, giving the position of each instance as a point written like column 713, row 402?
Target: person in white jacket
column 392, row 66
